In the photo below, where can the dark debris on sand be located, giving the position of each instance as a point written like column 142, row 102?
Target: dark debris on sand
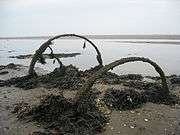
column 129, row 98
column 9, row 66
column 47, row 56
column 153, row 92
column 65, row 117
column 175, row 80
column 68, row 77
column 4, row 72
column 112, row 78
column 123, row 100
column 61, row 116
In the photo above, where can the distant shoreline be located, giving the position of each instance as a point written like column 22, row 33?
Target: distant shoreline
column 175, row 42
column 139, row 37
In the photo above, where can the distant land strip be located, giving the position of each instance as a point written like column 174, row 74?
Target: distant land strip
column 143, row 37
column 152, row 42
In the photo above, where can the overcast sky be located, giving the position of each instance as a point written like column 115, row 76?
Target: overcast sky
column 49, row 17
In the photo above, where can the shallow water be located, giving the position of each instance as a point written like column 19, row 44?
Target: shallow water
column 166, row 55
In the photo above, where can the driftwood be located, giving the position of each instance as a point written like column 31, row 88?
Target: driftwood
column 38, row 54
column 89, row 83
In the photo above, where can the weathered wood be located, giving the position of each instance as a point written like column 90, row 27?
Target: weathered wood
column 89, row 83
column 45, row 45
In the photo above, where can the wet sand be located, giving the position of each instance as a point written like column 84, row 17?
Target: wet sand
column 151, row 119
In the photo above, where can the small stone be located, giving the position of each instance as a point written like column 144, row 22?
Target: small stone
column 132, row 126
column 4, row 72
column 5, row 96
column 119, row 132
column 9, row 91
column 132, row 111
column 124, row 125
column 6, row 128
column 146, row 120
column 112, row 128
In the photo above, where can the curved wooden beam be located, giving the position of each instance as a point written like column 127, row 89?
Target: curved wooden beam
column 45, row 45
column 89, row 83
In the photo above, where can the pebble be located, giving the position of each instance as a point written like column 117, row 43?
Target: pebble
column 9, row 91
column 146, row 120
column 6, row 128
column 132, row 126
column 132, row 111
column 4, row 72
column 124, row 125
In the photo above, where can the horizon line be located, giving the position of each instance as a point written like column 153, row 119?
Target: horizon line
column 107, row 36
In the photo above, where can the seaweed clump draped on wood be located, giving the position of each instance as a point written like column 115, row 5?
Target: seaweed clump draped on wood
column 87, row 112
column 39, row 57
column 64, row 77
column 160, row 94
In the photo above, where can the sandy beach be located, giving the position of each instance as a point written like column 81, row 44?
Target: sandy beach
column 150, row 119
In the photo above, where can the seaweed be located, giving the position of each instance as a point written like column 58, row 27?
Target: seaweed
column 4, row 72
column 47, row 56
column 64, row 116
column 9, row 66
column 67, row 77
column 175, row 80
column 89, row 83
column 127, row 99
